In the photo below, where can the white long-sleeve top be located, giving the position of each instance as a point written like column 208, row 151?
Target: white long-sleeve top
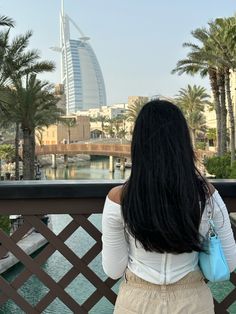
column 121, row 250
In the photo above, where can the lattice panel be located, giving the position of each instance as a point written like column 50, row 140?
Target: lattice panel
column 33, row 266
column 80, row 266
column 228, row 304
column 219, row 290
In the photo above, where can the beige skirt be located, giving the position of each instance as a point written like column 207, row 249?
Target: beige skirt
column 190, row 295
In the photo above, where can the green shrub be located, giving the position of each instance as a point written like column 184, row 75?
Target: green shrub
column 7, row 152
column 219, row 166
column 201, row 145
column 233, row 171
column 5, row 224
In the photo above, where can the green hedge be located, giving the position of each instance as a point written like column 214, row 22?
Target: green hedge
column 220, row 167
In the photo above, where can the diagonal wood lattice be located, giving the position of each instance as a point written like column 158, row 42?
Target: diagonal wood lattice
column 79, row 265
column 229, row 299
column 79, row 215
column 33, row 266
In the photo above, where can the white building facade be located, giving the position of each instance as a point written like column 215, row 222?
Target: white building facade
column 109, row 112
column 81, row 74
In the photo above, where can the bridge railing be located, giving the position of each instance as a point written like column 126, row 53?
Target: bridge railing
column 81, row 201
column 107, row 149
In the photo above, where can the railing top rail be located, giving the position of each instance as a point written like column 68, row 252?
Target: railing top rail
column 59, row 189
column 75, row 189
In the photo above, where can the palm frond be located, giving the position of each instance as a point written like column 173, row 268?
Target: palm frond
column 6, row 21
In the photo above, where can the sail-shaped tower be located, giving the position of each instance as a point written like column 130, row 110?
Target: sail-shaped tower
column 81, row 74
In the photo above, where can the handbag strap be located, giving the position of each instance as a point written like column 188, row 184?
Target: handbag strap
column 212, row 229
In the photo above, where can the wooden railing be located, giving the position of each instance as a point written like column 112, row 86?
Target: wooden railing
column 80, row 200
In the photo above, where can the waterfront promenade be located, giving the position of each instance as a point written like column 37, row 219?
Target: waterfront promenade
column 29, row 244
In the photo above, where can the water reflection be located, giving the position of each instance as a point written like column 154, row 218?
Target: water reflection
column 94, row 169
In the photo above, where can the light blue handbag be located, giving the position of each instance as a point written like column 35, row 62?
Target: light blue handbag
column 213, row 263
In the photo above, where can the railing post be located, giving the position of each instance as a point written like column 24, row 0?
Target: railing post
column 54, row 161
column 66, row 160
column 122, row 164
column 111, row 164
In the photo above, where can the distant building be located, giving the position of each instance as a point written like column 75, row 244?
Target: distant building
column 211, row 115
column 114, row 111
column 60, row 133
column 81, row 74
column 110, row 112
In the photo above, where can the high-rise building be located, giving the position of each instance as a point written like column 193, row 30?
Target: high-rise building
column 81, row 74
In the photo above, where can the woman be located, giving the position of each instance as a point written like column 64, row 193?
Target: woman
column 153, row 225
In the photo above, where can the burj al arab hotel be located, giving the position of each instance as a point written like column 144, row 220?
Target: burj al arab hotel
column 81, row 74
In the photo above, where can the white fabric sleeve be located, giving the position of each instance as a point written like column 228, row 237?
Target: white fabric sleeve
column 114, row 244
column 223, row 227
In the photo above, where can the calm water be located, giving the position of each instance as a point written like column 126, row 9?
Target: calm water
column 79, row 242
column 82, row 170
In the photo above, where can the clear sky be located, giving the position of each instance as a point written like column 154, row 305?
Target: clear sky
column 137, row 42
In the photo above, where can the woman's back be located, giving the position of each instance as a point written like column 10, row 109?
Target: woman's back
column 160, row 268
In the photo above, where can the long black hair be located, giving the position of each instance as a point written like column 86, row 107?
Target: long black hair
column 164, row 198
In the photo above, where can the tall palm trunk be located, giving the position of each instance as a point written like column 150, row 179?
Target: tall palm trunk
column 231, row 115
column 28, row 154
column 193, row 135
column 221, row 82
column 217, row 106
column 17, row 137
column 69, row 135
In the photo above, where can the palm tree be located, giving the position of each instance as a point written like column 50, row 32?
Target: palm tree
column 134, row 109
column 199, row 60
column 211, row 135
column 16, row 63
column 118, row 126
column 32, row 104
column 6, row 21
column 7, row 153
column 103, row 120
column 224, row 30
column 192, row 100
column 69, row 123
column 218, row 54
column 109, row 127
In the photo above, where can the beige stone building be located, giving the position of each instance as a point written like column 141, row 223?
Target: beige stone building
column 61, row 133
column 211, row 115
column 109, row 112
column 210, row 118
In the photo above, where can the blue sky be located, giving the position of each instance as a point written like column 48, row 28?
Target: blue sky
column 137, row 42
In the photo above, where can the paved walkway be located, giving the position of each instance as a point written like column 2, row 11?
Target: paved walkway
column 30, row 244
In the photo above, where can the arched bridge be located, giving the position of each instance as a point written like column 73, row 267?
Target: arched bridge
column 116, row 150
